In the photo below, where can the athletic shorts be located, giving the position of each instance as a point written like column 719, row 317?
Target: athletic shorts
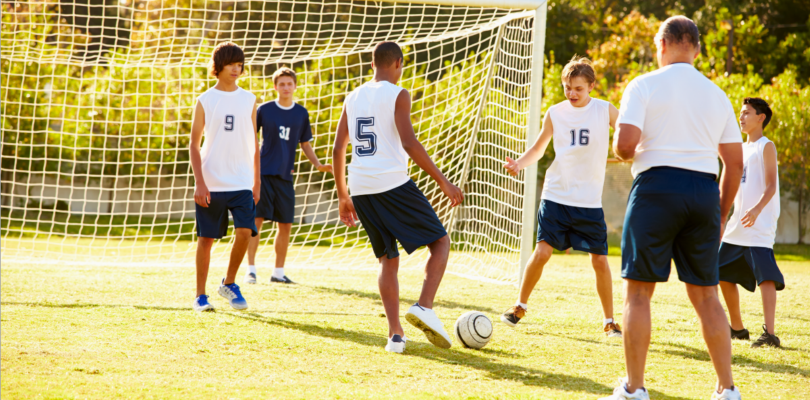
column 277, row 200
column 672, row 213
column 749, row 266
column 212, row 222
column 563, row 227
column 401, row 214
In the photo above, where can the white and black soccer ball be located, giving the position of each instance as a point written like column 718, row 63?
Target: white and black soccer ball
column 473, row 329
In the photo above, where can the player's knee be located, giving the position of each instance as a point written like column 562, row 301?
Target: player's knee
column 600, row 262
column 242, row 233
column 205, row 243
column 544, row 251
column 440, row 246
column 284, row 227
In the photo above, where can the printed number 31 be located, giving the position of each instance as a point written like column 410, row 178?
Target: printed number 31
column 284, row 132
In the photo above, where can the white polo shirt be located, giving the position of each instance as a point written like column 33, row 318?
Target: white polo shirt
column 683, row 117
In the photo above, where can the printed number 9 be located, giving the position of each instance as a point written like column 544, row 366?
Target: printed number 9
column 229, row 122
column 369, row 139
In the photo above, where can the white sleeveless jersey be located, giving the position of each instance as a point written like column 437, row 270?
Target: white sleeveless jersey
column 379, row 163
column 581, row 140
column 229, row 147
column 752, row 186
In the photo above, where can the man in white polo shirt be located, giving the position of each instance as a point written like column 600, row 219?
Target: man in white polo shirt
column 673, row 123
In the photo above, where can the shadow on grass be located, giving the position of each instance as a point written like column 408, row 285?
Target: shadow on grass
column 160, row 308
column 376, row 296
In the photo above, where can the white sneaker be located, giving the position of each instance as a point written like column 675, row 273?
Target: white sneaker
column 621, row 393
column 396, row 344
column 250, row 278
column 728, row 394
column 427, row 321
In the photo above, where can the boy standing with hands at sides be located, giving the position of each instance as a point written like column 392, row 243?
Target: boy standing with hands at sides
column 746, row 253
column 376, row 119
column 226, row 170
column 283, row 124
column 571, row 212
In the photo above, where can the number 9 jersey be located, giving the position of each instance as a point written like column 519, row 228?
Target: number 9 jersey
column 581, row 140
column 379, row 163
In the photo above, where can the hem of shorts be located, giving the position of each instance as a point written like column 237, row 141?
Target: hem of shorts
column 747, row 244
column 716, row 282
column 209, row 237
column 553, row 245
column 599, row 252
column 643, row 279
column 426, row 242
column 275, row 220
column 219, row 190
column 570, row 203
column 381, row 190
column 741, row 285
column 253, row 231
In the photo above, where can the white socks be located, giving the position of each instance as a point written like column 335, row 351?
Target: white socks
column 522, row 305
column 252, row 269
column 607, row 321
column 278, row 273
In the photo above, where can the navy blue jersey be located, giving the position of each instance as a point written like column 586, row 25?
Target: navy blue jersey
column 282, row 130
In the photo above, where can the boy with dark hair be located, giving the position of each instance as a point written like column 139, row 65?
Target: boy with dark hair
column 746, row 254
column 376, row 119
column 283, row 124
column 226, row 170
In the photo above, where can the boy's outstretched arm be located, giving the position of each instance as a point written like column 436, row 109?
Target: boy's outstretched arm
column 306, row 147
column 534, row 153
column 402, row 118
column 201, row 194
column 345, row 206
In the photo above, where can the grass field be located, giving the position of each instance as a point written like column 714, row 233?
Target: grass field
column 89, row 332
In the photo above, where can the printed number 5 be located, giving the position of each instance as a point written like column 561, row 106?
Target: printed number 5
column 367, row 138
column 229, row 122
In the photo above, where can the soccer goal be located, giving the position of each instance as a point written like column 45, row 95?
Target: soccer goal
column 97, row 99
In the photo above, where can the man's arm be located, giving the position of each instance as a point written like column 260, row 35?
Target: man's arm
column 402, row 118
column 731, row 155
column 345, row 205
column 257, row 160
column 534, row 153
column 625, row 141
column 614, row 115
column 306, row 147
column 201, row 194
column 769, row 160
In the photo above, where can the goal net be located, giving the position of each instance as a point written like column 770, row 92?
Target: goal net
column 97, row 100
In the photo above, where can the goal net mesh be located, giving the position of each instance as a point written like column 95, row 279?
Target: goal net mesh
column 97, row 101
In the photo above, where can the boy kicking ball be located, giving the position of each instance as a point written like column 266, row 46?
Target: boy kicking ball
column 570, row 212
column 746, row 253
column 283, row 124
column 226, row 170
column 376, row 119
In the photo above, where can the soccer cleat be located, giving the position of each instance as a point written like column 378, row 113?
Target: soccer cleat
column 741, row 334
column 621, row 393
column 766, row 339
column 396, row 344
column 513, row 315
column 250, row 278
column 201, row 304
column 727, row 394
column 613, row 330
column 233, row 295
column 427, row 321
column 286, row 280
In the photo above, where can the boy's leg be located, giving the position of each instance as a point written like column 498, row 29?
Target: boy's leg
column 282, row 243
column 534, row 269
column 254, row 242
column 714, row 326
column 389, row 292
column 731, row 295
column 637, row 326
column 240, row 246
column 204, row 245
column 768, row 291
column 604, row 283
column 434, row 270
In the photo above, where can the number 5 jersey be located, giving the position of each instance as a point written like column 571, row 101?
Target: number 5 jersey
column 581, row 139
column 230, row 142
column 379, row 163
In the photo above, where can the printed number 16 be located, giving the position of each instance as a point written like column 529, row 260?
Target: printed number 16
column 583, row 137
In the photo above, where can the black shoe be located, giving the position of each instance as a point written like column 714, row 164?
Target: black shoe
column 767, row 339
column 286, row 280
column 513, row 315
column 741, row 334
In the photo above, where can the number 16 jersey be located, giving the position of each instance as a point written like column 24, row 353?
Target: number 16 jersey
column 379, row 163
column 581, row 140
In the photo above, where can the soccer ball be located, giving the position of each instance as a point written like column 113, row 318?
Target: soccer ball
column 473, row 329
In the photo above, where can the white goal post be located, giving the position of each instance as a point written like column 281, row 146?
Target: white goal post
column 96, row 108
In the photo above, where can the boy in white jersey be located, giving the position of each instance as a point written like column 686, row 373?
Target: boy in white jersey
column 570, row 212
column 746, row 253
column 376, row 119
column 226, row 170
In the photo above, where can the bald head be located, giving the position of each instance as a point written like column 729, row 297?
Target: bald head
column 679, row 30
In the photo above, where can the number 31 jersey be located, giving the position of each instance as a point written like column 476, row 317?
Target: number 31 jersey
column 581, row 140
column 230, row 140
column 379, row 163
column 282, row 129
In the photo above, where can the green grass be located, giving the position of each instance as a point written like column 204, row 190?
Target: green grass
column 88, row 332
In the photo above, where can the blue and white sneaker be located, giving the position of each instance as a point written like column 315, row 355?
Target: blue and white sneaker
column 233, row 295
column 201, row 304
column 250, row 278
column 396, row 344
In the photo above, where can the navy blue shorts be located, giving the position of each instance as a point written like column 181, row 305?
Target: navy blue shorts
column 563, row 226
column 749, row 266
column 402, row 214
column 277, row 200
column 212, row 222
column 672, row 213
